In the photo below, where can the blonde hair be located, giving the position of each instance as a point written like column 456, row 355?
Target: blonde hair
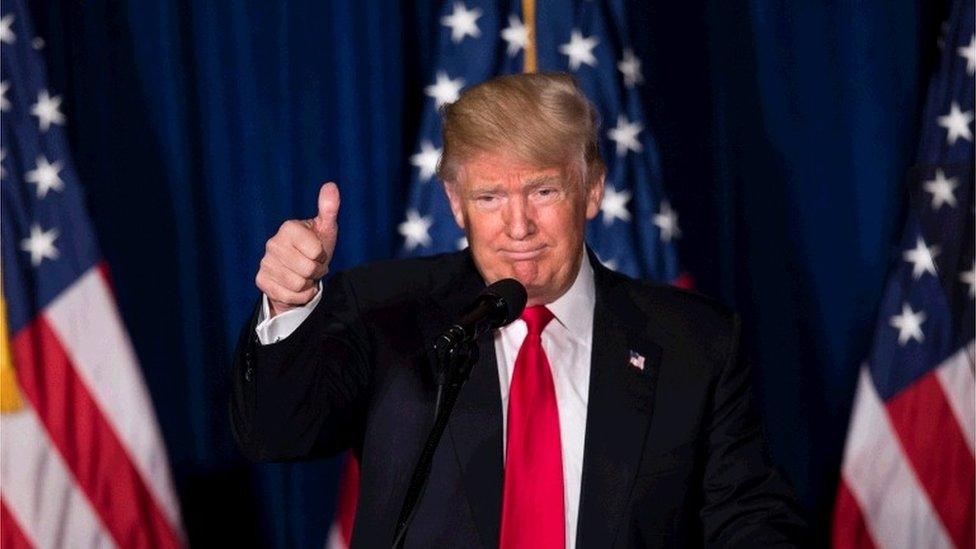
column 541, row 119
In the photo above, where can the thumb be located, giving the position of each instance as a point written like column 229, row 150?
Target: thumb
column 328, row 211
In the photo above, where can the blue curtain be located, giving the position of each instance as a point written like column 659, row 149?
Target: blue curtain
column 785, row 130
column 816, row 109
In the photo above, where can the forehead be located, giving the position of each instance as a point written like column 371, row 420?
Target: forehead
column 500, row 169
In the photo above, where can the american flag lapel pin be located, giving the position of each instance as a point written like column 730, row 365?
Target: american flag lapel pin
column 636, row 360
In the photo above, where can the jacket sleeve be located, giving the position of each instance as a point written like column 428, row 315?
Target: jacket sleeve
column 747, row 503
column 305, row 395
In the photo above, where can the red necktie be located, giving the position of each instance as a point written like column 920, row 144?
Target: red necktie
column 532, row 500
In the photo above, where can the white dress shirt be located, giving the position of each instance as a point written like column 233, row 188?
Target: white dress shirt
column 567, row 341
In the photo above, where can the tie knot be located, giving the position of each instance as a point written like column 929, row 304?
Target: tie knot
column 536, row 318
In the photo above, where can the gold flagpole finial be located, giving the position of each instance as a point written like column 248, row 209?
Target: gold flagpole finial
column 9, row 392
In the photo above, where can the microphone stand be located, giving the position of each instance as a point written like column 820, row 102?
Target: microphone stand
column 456, row 356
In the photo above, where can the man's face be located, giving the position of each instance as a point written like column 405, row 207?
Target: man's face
column 524, row 222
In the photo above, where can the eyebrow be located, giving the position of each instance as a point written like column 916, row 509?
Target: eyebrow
column 543, row 180
column 490, row 189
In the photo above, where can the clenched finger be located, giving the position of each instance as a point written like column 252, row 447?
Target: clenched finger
column 277, row 292
column 301, row 236
column 284, row 276
column 298, row 263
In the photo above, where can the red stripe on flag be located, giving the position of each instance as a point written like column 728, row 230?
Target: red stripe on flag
column 684, row 281
column 936, row 448
column 849, row 529
column 11, row 536
column 348, row 498
column 88, row 443
column 106, row 276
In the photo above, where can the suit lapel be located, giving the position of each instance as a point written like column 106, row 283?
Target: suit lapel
column 476, row 430
column 475, row 427
column 620, row 404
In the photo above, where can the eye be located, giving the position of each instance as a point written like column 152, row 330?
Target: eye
column 547, row 193
column 487, row 202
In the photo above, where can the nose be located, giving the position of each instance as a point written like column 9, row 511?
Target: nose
column 519, row 219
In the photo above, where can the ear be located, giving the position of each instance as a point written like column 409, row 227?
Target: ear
column 454, row 197
column 594, row 196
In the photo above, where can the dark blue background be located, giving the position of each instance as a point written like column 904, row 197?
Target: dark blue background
column 786, row 129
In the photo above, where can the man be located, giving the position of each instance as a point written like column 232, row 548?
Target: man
column 614, row 413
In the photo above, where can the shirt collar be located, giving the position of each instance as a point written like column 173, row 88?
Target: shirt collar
column 574, row 309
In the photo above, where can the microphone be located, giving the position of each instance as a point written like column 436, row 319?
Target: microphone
column 498, row 305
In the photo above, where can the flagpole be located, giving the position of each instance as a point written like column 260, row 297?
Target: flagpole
column 528, row 15
column 9, row 393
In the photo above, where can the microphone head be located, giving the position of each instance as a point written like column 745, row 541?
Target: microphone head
column 510, row 294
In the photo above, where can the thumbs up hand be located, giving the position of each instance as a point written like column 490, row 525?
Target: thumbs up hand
column 298, row 255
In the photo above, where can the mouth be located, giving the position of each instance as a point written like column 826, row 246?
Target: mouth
column 523, row 255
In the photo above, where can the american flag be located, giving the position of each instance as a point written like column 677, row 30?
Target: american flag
column 82, row 462
column 908, row 472
column 636, row 229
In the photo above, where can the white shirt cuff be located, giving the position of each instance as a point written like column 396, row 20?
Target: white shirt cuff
column 274, row 329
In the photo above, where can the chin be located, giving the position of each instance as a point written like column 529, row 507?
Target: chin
column 536, row 287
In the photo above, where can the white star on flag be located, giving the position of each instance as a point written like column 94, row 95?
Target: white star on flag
column 4, row 103
column 667, row 220
column 956, row 124
column 515, row 35
column 426, row 160
column 444, row 90
column 40, row 244
column 415, row 230
column 46, row 110
column 969, row 53
column 462, row 243
column 579, row 50
column 610, row 264
column 969, row 277
column 909, row 324
column 45, row 176
column 922, row 258
column 614, row 205
column 942, row 190
column 463, row 22
column 625, row 135
column 7, row 35
column 630, row 67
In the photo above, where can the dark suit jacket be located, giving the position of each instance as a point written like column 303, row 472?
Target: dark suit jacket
column 673, row 455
